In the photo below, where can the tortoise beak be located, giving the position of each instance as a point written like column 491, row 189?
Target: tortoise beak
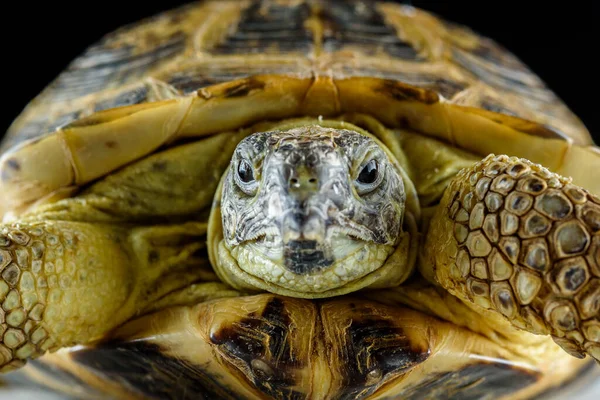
column 303, row 227
column 303, row 217
column 305, row 256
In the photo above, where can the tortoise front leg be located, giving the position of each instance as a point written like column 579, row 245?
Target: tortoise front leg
column 65, row 282
column 513, row 237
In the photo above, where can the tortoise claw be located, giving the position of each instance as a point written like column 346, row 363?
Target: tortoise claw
column 513, row 237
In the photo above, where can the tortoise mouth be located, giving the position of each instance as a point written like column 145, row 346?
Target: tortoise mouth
column 304, row 268
column 305, row 256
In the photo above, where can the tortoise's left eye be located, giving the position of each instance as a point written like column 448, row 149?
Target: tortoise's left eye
column 369, row 177
column 245, row 172
column 369, row 173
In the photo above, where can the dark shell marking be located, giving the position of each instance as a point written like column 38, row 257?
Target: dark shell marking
column 135, row 365
column 377, row 349
column 401, row 92
column 474, row 382
column 253, row 340
column 351, row 25
column 274, row 29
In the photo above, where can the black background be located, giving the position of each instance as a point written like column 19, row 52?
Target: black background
column 558, row 40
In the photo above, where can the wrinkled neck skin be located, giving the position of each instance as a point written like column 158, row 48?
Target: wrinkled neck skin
column 312, row 212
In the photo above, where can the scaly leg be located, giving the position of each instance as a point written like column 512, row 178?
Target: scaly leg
column 512, row 237
column 65, row 282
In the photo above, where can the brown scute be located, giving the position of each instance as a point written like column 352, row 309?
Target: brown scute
column 370, row 345
column 244, row 88
column 269, row 28
column 104, row 65
column 260, row 346
column 364, row 344
column 375, row 350
column 349, row 25
column 401, row 92
column 133, row 362
column 474, row 382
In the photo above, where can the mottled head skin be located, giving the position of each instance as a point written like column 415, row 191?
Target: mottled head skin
column 311, row 209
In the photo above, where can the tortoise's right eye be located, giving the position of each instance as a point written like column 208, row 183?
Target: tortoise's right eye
column 245, row 171
column 245, row 177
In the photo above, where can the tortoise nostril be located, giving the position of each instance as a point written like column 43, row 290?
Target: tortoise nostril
column 303, row 182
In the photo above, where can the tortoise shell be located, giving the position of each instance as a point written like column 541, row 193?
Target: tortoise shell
column 393, row 61
column 274, row 347
column 219, row 65
column 183, row 50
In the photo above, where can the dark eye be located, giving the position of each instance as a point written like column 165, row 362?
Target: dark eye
column 369, row 173
column 245, row 172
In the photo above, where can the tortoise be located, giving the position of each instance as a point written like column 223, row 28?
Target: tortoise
column 286, row 199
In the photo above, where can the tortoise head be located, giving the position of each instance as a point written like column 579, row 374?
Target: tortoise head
column 312, row 212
